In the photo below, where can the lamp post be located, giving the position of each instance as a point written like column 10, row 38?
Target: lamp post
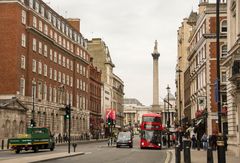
column 33, row 123
column 220, row 143
column 168, row 122
column 180, row 106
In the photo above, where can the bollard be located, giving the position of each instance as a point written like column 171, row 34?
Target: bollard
column 198, row 145
column 209, row 155
column 8, row 144
column 74, row 146
column 186, row 151
column 177, row 154
column 221, row 149
column 2, row 144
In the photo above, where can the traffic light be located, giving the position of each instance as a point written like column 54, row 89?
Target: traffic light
column 32, row 123
column 67, row 112
column 109, row 122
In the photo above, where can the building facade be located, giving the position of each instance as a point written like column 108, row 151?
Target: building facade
column 202, row 67
column 111, row 94
column 44, row 65
column 95, row 85
column 232, row 64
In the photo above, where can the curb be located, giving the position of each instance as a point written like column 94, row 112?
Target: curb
column 58, row 157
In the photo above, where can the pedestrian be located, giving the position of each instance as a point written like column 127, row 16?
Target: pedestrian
column 164, row 140
column 204, row 141
column 214, row 142
column 194, row 141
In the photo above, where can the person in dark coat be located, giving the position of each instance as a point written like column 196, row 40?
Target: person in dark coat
column 194, row 141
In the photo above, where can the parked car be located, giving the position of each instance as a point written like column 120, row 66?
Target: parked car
column 124, row 139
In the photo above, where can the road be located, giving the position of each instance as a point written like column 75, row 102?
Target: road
column 99, row 153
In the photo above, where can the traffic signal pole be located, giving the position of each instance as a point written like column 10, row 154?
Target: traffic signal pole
column 69, row 129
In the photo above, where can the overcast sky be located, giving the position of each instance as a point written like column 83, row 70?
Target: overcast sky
column 129, row 28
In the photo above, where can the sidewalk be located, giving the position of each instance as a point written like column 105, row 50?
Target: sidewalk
column 40, row 158
column 201, row 156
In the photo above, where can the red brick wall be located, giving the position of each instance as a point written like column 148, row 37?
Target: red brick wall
column 10, row 47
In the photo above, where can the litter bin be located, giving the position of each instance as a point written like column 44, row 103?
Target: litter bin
column 186, row 151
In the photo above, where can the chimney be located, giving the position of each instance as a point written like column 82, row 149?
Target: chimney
column 75, row 23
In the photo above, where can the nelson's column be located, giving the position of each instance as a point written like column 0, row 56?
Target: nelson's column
column 155, row 105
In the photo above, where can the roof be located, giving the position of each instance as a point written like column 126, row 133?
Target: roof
column 151, row 115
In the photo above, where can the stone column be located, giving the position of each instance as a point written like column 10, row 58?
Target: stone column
column 155, row 55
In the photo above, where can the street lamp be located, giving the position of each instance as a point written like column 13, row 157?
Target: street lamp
column 220, row 142
column 168, row 122
column 180, row 105
column 33, row 123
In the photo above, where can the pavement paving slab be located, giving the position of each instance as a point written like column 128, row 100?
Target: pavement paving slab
column 40, row 158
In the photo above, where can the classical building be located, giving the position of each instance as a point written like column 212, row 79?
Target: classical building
column 202, row 67
column 169, row 111
column 112, row 85
column 95, row 85
column 44, row 65
column 133, row 111
column 232, row 64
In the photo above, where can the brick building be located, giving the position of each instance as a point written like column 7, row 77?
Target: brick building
column 202, row 67
column 96, row 121
column 44, row 65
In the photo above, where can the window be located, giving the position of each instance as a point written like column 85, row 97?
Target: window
column 40, row 90
column 22, row 86
column 24, row 16
column 45, row 91
column 45, row 70
column 34, row 44
column 63, row 27
column 54, row 20
column 45, row 29
column 63, row 78
column 71, row 65
column 23, row 62
column 40, row 67
column 223, row 76
column 23, row 41
column 45, row 50
column 77, row 68
column 50, row 93
column 64, row 61
column 55, row 36
column 58, row 24
column 37, row 6
column 59, row 59
column 55, row 57
column 224, row 51
column 71, row 81
column 224, row 26
column 55, row 75
column 34, row 65
column 50, row 73
column 31, row 3
column 49, row 16
column 51, row 54
column 77, row 83
column 42, row 11
column 34, row 22
column 54, row 95
column 59, row 77
column 67, row 63
column 40, row 25
column 60, row 40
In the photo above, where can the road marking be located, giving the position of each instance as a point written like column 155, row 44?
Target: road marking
column 168, row 158
column 87, row 153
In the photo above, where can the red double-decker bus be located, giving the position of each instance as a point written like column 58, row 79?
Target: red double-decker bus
column 151, row 131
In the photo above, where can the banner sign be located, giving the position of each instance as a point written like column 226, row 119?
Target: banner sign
column 110, row 113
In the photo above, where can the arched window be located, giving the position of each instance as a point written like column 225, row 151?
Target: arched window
column 224, row 51
column 224, row 26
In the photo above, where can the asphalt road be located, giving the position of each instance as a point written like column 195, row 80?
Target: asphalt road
column 101, row 153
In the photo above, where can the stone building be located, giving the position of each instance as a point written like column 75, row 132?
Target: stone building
column 44, row 65
column 182, row 64
column 232, row 64
column 112, row 89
